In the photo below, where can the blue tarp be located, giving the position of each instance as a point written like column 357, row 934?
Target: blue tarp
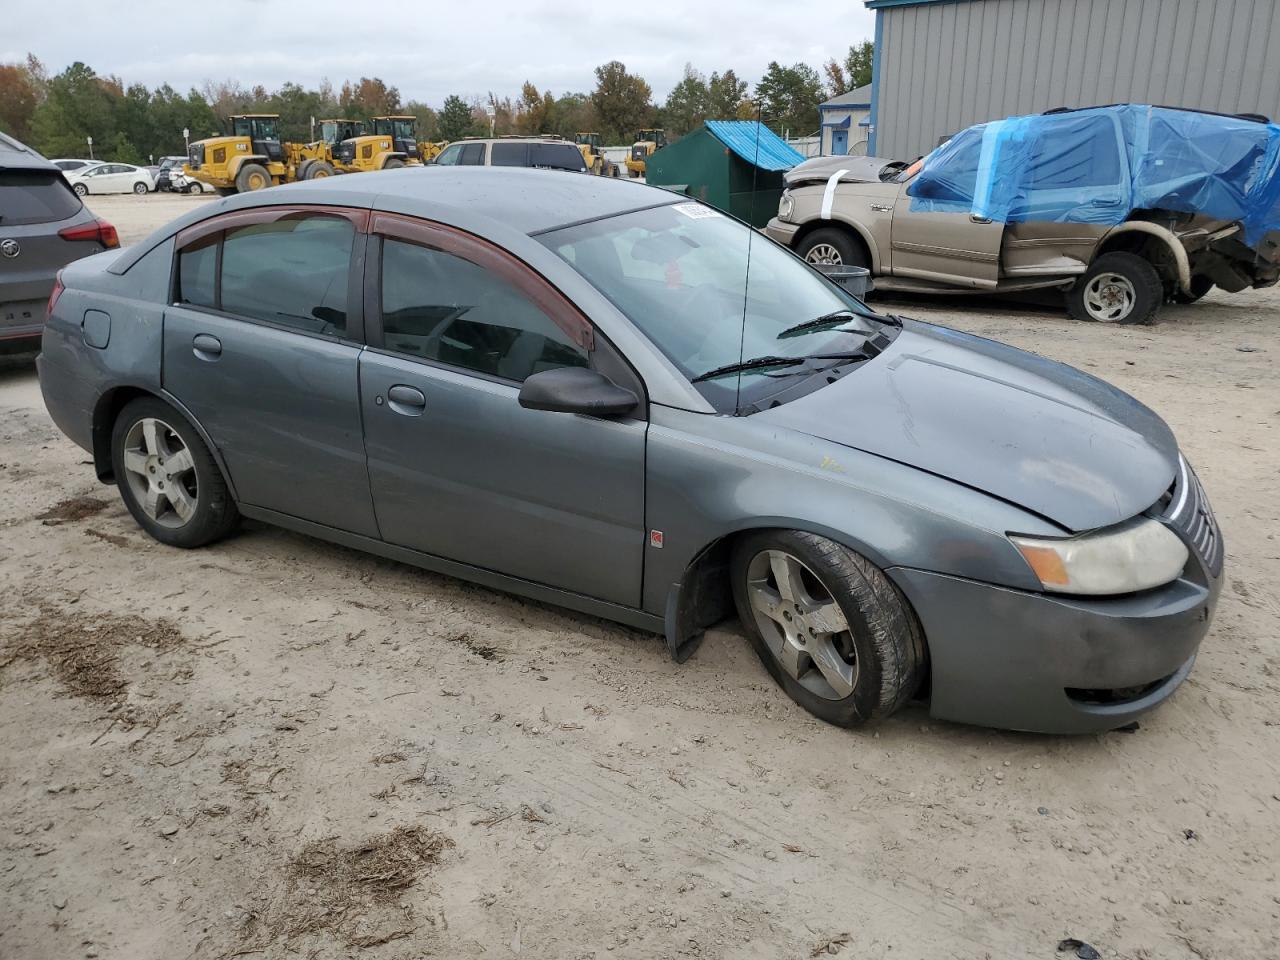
column 1099, row 165
column 740, row 136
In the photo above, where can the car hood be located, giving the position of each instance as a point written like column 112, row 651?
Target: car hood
column 851, row 170
column 1039, row 434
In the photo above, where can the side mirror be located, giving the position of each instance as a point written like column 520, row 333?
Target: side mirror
column 576, row 390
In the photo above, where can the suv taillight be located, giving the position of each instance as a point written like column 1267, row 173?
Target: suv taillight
column 99, row 230
column 54, row 294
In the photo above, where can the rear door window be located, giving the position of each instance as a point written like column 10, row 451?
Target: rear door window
column 1074, row 153
column 472, row 155
column 35, row 196
column 197, row 273
column 510, row 155
column 293, row 272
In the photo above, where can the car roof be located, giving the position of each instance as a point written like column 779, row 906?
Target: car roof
column 15, row 155
column 498, row 203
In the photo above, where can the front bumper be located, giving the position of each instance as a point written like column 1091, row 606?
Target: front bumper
column 1044, row 663
column 783, row 232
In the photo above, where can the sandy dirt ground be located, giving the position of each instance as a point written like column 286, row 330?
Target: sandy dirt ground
column 276, row 748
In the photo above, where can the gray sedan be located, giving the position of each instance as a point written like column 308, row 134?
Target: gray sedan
column 604, row 396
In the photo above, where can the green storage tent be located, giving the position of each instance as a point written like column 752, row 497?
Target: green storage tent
column 735, row 165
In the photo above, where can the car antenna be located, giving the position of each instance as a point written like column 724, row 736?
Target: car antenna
column 746, row 275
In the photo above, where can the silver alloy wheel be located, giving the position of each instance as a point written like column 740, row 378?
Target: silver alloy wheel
column 1109, row 297
column 195, row 187
column 824, row 253
column 802, row 624
column 139, row 188
column 161, row 472
column 80, row 189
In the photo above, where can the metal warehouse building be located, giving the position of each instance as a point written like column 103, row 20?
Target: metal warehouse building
column 942, row 65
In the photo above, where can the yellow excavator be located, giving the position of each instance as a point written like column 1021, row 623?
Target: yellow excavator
column 593, row 155
column 647, row 141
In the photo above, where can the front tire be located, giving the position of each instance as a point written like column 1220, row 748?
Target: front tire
column 318, row 169
column 831, row 246
column 167, row 477
column 252, row 176
column 195, row 186
column 1118, row 287
column 81, row 190
column 829, row 626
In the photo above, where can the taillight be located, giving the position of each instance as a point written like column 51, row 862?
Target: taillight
column 99, row 230
column 54, row 294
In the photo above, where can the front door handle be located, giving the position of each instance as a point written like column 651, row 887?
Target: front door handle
column 977, row 219
column 406, row 400
column 206, row 347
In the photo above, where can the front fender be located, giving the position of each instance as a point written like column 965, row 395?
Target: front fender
column 710, row 478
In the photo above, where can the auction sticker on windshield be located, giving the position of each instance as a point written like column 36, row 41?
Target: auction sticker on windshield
column 696, row 211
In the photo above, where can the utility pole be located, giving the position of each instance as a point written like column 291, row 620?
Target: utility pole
column 89, row 141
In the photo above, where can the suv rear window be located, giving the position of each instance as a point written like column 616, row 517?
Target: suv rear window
column 510, row 155
column 35, row 196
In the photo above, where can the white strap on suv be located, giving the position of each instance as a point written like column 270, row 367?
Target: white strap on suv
column 829, row 195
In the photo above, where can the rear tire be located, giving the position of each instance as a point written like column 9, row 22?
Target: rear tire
column 318, row 169
column 252, row 176
column 1118, row 287
column 831, row 245
column 195, row 186
column 1200, row 285
column 141, row 189
column 81, row 190
column 153, row 447
column 831, row 629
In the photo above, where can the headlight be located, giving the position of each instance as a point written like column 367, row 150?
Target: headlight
column 785, row 206
column 1135, row 555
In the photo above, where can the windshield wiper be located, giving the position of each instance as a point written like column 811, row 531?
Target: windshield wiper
column 761, row 363
column 819, row 323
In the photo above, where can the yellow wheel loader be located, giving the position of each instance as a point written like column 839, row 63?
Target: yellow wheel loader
column 647, row 141
column 593, row 155
column 315, row 160
column 403, row 131
column 251, row 158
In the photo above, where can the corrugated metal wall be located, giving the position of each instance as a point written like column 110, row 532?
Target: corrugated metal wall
column 946, row 66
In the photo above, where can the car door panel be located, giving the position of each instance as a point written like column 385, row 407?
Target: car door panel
column 474, row 477
column 282, row 408
column 954, row 248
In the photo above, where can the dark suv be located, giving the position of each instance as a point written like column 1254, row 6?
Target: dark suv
column 43, row 227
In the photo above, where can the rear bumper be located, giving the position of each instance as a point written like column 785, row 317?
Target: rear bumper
column 69, row 399
column 1048, row 664
column 784, row 233
column 23, row 320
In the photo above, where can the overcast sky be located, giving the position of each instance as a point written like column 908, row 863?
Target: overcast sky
column 428, row 49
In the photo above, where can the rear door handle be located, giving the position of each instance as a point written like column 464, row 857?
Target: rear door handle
column 206, row 347
column 406, row 400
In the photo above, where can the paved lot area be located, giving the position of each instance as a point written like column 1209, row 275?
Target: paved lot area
column 277, row 748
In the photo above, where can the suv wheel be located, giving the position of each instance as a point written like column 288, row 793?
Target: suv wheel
column 832, row 246
column 1117, row 288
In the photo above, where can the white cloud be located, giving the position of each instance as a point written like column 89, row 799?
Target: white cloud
column 429, row 49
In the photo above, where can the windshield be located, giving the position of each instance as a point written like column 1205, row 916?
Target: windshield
column 330, row 132
column 403, row 129
column 679, row 273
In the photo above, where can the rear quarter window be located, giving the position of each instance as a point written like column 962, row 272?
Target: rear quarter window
column 562, row 156
column 35, row 196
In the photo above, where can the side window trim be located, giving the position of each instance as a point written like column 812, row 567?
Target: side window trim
column 357, row 316
column 558, row 308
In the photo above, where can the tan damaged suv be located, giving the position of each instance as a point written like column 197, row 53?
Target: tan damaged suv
column 863, row 211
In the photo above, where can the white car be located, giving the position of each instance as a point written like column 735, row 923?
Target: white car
column 69, row 165
column 179, row 182
column 111, row 178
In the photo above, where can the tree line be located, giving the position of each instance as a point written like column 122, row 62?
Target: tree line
column 133, row 123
